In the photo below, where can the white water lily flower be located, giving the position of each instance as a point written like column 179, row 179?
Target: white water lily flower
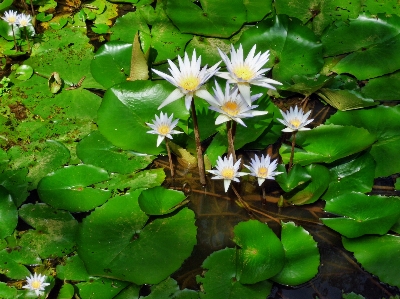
column 163, row 127
column 188, row 79
column 11, row 17
column 227, row 171
column 247, row 71
column 36, row 283
column 295, row 120
column 24, row 20
column 263, row 169
column 232, row 105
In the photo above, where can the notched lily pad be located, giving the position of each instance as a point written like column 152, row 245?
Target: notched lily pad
column 297, row 176
column 160, row 201
column 70, row 188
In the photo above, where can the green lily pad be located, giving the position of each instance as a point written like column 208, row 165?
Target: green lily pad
column 95, row 149
column 67, row 291
column 214, row 18
column 125, row 28
column 8, row 213
column 220, row 279
column 302, row 257
column 257, row 9
column 143, row 179
column 307, row 85
column 169, row 289
column 378, row 255
column 382, row 122
column 7, row 292
column 130, row 292
column 311, row 191
column 160, row 201
column 327, row 143
column 294, row 48
column 383, row 88
column 15, row 183
column 345, row 99
column 207, row 48
column 352, row 295
column 40, row 158
column 100, row 287
column 261, row 255
column 43, row 17
column 69, row 188
column 128, row 106
column 114, row 239
column 297, row 176
column 362, row 214
column 351, row 174
column 24, row 72
column 72, row 269
column 49, row 225
column 111, row 63
column 11, row 268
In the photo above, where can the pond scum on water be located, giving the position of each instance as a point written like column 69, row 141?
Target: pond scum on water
column 279, row 126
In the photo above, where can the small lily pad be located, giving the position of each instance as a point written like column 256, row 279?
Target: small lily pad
column 8, row 214
column 160, row 201
column 297, row 176
column 24, row 72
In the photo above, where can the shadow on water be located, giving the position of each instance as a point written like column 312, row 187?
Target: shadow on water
column 218, row 212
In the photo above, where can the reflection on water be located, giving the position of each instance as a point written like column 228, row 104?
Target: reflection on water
column 218, row 212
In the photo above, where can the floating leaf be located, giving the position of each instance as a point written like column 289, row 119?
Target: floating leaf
column 125, row 28
column 261, row 255
column 345, row 99
column 8, row 214
column 160, row 201
column 55, row 230
column 351, row 174
column 7, row 292
column 301, row 256
column 220, row 279
column 311, row 191
column 69, row 188
column 297, row 176
column 100, row 287
column 213, row 18
column 383, row 88
column 72, row 269
column 207, row 48
column 378, row 255
column 327, row 143
column 130, row 292
column 169, row 289
column 382, row 122
column 15, row 183
column 95, row 149
column 362, row 214
column 128, row 106
column 67, row 291
column 12, row 268
column 24, row 71
column 113, row 240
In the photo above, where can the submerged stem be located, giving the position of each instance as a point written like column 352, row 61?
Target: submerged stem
column 231, row 128
column 200, row 159
column 292, row 152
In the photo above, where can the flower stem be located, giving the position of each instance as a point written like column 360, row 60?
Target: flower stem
column 200, row 159
column 171, row 165
column 231, row 128
column 292, row 152
column 15, row 41
column 27, row 39
column 264, row 197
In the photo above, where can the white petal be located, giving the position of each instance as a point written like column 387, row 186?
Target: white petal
column 160, row 138
column 204, row 94
column 244, row 89
column 226, row 184
column 260, row 181
column 175, row 95
column 221, row 119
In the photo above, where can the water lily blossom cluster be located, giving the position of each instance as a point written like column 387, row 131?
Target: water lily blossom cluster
column 232, row 106
column 188, row 79
column 24, row 20
column 36, row 283
column 227, row 171
column 244, row 72
column 295, row 120
column 263, row 168
column 163, row 126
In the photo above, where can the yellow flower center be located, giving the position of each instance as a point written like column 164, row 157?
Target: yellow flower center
column 295, row 122
column 244, row 72
column 231, row 108
column 190, row 83
column 12, row 19
column 23, row 23
column 262, row 172
column 163, row 129
column 227, row 173
column 36, row 284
